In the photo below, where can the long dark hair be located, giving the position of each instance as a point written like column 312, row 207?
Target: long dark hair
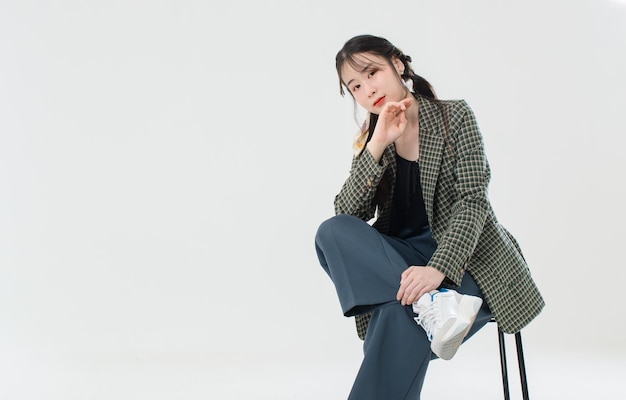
column 382, row 47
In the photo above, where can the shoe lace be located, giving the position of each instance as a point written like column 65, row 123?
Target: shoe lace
column 428, row 318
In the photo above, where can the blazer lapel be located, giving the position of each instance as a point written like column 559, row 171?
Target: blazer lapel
column 431, row 150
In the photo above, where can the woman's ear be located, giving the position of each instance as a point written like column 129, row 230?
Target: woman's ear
column 398, row 65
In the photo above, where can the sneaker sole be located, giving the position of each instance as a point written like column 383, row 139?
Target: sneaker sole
column 454, row 331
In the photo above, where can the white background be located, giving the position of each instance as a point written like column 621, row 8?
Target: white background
column 164, row 167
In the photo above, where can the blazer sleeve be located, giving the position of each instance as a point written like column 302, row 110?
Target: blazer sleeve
column 470, row 207
column 356, row 196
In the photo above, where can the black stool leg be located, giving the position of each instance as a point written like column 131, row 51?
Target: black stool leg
column 522, row 365
column 505, row 375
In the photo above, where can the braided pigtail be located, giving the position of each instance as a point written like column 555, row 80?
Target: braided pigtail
column 420, row 85
column 424, row 88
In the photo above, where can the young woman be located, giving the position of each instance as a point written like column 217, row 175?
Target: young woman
column 435, row 265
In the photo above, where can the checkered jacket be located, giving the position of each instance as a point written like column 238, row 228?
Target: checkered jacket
column 454, row 178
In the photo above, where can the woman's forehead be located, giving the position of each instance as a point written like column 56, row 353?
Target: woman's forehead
column 361, row 62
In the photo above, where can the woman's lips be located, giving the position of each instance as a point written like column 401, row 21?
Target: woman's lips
column 379, row 102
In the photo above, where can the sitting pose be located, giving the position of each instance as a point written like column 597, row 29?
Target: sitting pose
column 415, row 251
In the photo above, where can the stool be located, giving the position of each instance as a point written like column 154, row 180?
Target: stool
column 520, row 361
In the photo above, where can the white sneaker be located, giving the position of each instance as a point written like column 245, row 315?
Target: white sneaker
column 447, row 317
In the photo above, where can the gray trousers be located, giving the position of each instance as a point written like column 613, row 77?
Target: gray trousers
column 365, row 267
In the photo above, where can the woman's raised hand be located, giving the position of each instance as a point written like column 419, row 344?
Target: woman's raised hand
column 390, row 126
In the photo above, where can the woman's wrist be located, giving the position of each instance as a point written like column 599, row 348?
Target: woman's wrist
column 376, row 149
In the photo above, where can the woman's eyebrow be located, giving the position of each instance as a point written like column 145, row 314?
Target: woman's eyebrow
column 365, row 68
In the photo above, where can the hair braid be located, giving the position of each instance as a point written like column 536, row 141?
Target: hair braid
column 420, row 85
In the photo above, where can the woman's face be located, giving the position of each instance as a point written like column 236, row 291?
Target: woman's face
column 374, row 82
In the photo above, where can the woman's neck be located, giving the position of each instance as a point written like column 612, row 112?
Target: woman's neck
column 412, row 116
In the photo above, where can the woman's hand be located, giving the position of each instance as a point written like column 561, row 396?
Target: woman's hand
column 417, row 281
column 390, row 126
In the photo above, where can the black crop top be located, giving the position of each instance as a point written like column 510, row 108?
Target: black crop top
column 408, row 215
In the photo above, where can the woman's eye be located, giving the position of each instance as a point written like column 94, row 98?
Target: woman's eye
column 355, row 88
column 372, row 73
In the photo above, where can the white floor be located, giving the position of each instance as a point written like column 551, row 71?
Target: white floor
column 307, row 374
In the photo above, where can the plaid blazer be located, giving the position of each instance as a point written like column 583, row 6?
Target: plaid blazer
column 454, row 174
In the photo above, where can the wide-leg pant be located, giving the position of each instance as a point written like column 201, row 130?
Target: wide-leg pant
column 365, row 267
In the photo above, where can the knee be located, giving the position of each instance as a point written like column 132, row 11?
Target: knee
column 334, row 226
column 326, row 230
